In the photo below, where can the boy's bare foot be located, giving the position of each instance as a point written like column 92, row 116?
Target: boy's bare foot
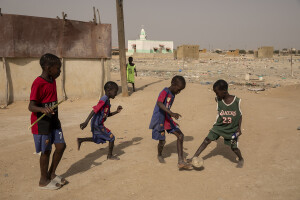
column 161, row 159
column 184, row 166
column 78, row 143
column 111, row 157
column 240, row 163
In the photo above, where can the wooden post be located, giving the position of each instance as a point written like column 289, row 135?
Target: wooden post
column 6, row 81
column 102, row 78
column 292, row 73
column 95, row 19
column 121, row 38
column 63, row 91
column 99, row 21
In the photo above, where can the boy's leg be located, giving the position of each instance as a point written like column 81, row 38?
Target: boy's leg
column 44, row 164
column 133, row 87
column 58, row 139
column 239, row 155
column 110, row 150
column 203, row 146
column 160, row 148
column 80, row 140
column 210, row 137
column 181, row 163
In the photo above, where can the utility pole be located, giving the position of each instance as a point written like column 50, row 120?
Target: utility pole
column 292, row 73
column 121, row 38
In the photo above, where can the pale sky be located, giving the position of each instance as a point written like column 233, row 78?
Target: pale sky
column 224, row 24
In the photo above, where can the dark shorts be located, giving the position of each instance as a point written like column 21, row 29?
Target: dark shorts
column 231, row 142
column 102, row 135
column 41, row 144
column 160, row 135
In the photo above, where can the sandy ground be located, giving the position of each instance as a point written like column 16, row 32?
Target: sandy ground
column 270, row 145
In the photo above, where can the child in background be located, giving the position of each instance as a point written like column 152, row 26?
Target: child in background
column 131, row 70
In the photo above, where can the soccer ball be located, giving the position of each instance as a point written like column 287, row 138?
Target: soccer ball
column 197, row 162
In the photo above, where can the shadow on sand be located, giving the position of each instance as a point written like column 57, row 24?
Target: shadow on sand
column 88, row 161
column 130, row 90
column 172, row 147
column 223, row 150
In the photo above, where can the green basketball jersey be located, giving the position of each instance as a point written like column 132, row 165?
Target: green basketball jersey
column 130, row 73
column 228, row 118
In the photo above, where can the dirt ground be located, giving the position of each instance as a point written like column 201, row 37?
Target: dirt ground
column 270, row 145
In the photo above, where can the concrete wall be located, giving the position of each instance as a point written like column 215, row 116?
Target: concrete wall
column 82, row 78
column 265, row 52
column 188, row 52
column 153, row 55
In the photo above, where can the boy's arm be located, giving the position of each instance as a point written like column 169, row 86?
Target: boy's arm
column 240, row 126
column 163, row 107
column 135, row 71
column 116, row 112
column 33, row 107
column 84, row 124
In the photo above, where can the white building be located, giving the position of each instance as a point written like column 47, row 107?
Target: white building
column 143, row 45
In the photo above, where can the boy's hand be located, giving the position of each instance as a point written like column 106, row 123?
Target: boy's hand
column 47, row 111
column 119, row 109
column 83, row 125
column 175, row 115
column 238, row 133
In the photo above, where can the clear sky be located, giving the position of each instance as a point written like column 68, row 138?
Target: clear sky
column 224, row 24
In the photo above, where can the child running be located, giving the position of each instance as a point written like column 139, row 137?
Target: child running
column 162, row 120
column 48, row 130
column 229, row 121
column 131, row 70
column 99, row 114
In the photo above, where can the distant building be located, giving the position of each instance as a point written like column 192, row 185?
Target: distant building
column 233, row 52
column 264, row 52
column 143, row 45
column 187, row 52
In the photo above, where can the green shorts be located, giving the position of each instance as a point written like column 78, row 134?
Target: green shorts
column 231, row 142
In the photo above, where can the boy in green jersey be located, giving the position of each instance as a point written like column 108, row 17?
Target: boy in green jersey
column 131, row 70
column 228, row 123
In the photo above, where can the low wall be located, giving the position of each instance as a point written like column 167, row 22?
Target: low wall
column 83, row 78
column 153, row 55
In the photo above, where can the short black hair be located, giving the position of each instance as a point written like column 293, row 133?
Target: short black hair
column 130, row 58
column 221, row 85
column 50, row 60
column 177, row 79
column 110, row 85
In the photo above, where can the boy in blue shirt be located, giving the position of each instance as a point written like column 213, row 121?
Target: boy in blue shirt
column 99, row 114
column 162, row 120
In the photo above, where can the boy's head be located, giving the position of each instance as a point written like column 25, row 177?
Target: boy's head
column 51, row 64
column 177, row 84
column 130, row 59
column 220, row 87
column 111, row 89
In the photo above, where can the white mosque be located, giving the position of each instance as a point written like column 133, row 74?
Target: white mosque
column 143, row 45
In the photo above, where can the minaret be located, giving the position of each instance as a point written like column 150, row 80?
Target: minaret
column 143, row 35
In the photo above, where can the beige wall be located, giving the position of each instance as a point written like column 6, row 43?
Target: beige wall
column 82, row 78
column 265, row 52
column 188, row 52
